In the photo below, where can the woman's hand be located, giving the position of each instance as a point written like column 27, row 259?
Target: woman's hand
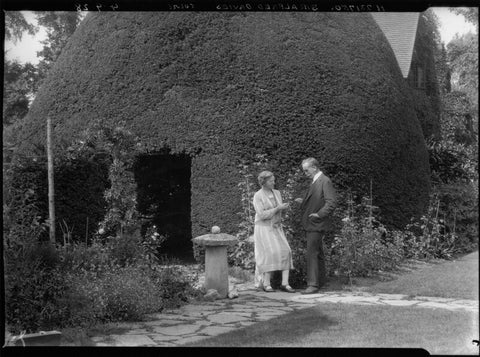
column 283, row 206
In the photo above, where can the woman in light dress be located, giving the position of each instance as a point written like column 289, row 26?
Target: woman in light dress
column 272, row 251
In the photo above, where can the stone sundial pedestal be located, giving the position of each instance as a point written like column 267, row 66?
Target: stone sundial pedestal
column 216, row 264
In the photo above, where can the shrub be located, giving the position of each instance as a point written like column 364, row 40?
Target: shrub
column 23, row 219
column 125, row 249
column 116, row 293
column 175, row 288
column 451, row 162
column 80, row 285
column 79, row 209
column 449, row 227
column 124, row 293
column 363, row 246
column 458, row 213
column 33, row 290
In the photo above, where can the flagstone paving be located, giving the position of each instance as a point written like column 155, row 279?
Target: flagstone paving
column 200, row 320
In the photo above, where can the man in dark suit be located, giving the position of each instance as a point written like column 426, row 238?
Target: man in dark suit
column 316, row 207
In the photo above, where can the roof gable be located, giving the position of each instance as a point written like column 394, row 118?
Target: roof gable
column 400, row 29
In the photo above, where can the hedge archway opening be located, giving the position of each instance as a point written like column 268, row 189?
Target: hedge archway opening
column 164, row 200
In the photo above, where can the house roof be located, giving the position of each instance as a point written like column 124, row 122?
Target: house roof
column 400, row 29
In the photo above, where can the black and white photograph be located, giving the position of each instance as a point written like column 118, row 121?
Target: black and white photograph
column 273, row 175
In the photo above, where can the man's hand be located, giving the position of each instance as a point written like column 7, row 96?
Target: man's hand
column 299, row 200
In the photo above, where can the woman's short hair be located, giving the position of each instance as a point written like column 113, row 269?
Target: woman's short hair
column 263, row 177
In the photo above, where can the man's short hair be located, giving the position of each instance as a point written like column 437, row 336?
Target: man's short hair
column 311, row 162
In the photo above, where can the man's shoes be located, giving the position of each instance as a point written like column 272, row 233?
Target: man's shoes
column 287, row 288
column 310, row 290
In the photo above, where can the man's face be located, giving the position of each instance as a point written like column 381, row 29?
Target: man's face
column 308, row 170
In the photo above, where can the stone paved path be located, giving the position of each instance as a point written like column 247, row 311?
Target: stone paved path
column 201, row 320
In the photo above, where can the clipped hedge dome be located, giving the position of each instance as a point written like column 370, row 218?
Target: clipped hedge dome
column 226, row 86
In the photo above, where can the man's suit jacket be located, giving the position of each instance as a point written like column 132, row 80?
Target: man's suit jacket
column 320, row 199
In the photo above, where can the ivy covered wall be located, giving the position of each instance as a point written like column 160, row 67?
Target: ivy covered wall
column 221, row 87
column 426, row 98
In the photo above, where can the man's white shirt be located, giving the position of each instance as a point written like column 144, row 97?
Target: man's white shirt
column 317, row 175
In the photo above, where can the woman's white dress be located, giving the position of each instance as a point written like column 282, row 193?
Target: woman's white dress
column 272, row 251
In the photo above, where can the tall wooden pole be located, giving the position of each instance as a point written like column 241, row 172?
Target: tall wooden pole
column 51, row 193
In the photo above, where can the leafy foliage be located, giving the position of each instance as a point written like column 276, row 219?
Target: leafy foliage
column 80, row 285
column 458, row 119
column 470, row 14
column 33, row 295
column 463, row 58
column 16, row 25
column 458, row 213
column 451, row 162
column 443, row 70
column 19, row 87
column 78, row 211
column 120, row 147
column 363, row 247
column 23, row 215
column 21, row 81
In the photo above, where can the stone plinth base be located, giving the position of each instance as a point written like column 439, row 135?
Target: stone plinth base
column 216, row 269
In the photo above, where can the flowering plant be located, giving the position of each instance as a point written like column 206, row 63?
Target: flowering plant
column 242, row 254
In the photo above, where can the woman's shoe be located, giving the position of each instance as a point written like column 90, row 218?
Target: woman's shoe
column 268, row 289
column 287, row 288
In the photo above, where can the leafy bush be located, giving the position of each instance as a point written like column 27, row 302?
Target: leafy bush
column 23, row 218
column 458, row 210
column 80, row 285
column 449, row 227
column 78, row 257
column 123, row 293
column 175, row 288
column 125, row 249
column 79, row 209
column 34, row 288
column 363, row 246
column 33, row 284
column 451, row 162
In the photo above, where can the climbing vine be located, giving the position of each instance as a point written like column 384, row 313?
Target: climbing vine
column 121, row 147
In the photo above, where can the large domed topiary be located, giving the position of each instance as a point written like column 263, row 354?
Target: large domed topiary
column 226, row 86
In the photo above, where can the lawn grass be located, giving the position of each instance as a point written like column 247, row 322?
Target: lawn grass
column 448, row 279
column 360, row 326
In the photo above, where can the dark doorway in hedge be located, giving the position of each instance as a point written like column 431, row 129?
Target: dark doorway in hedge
column 163, row 198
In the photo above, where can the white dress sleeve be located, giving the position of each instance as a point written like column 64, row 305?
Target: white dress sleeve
column 263, row 211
